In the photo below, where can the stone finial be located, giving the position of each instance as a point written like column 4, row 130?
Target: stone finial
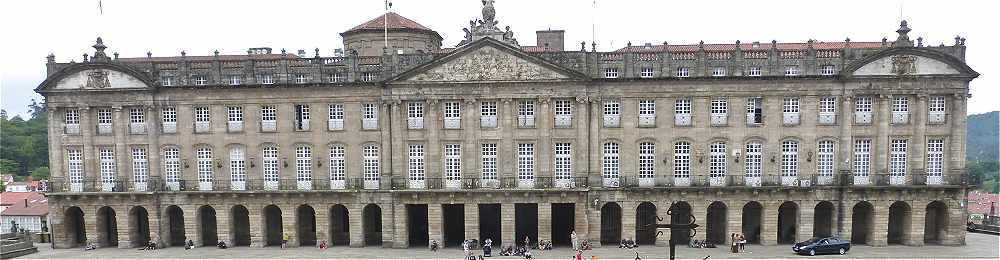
column 282, row 51
column 85, row 59
column 317, row 52
column 99, row 50
column 701, row 45
column 885, row 41
column 149, row 54
column 116, row 55
column 962, row 42
column 583, row 46
column 902, row 40
column 183, row 54
column 216, row 52
column 629, row 44
column 957, row 40
column 920, row 41
column 593, row 46
column 51, row 58
column 848, row 39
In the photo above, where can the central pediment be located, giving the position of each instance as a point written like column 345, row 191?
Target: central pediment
column 487, row 61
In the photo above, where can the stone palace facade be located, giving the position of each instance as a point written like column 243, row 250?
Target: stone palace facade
column 398, row 143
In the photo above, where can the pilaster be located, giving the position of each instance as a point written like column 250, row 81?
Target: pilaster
column 769, row 223
column 471, row 221
column 289, row 223
column 357, row 232
column 544, row 222
column 628, row 219
column 435, row 228
column 880, row 228
column 124, row 228
column 507, row 223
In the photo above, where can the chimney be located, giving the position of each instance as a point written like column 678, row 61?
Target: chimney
column 553, row 39
column 25, row 203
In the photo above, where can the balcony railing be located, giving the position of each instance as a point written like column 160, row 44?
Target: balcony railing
column 59, row 185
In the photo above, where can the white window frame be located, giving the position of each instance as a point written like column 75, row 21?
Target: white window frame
column 488, row 162
column 140, row 168
column 453, row 165
column 268, row 118
column 235, row 80
column 647, row 162
column 303, row 167
column 754, row 72
column 611, row 73
column 753, row 164
column 936, row 108
column 790, row 111
column 897, row 161
column 302, row 117
column 719, row 111
column 415, row 165
column 526, row 113
column 828, row 110
column 237, row 167
column 862, row 159
column 719, row 72
column 612, row 113
column 452, row 114
column 488, row 114
column 234, row 117
column 562, row 162
column 108, row 167
column 415, row 115
column 137, row 120
column 301, row 79
column 369, row 116
column 789, row 162
column 526, row 165
column 74, row 168
column 202, row 119
column 269, row 167
column 825, row 161
column 935, row 161
column 105, row 121
column 683, row 72
column 200, row 80
column 863, row 106
column 646, row 72
column 335, row 117
column 682, row 111
column 265, row 79
column 755, row 111
column 371, row 172
column 368, row 76
column 71, row 120
column 168, row 118
column 611, row 164
column 900, row 110
column 336, row 77
column 205, row 168
column 338, row 166
column 563, row 110
column 167, row 81
column 682, row 163
column 717, row 166
column 647, row 112
column 792, row 70
column 827, row 70
column 172, row 167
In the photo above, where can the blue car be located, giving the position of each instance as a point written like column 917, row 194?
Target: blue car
column 822, row 245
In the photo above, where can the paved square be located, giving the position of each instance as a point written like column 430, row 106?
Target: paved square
column 979, row 246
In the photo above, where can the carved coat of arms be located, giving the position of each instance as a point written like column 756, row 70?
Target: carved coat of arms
column 904, row 64
column 98, row 79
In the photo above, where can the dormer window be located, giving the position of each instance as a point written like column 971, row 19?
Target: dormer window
column 266, row 79
column 792, row 71
column 300, row 79
column 646, row 72
column 719, row 72
column 335, row 77
column 368, row 76
column 827, row 70
column 167, row 81
column 200, row 80
column 754, row 72
column 235, row 80
column 611, row 73
column 683, row 72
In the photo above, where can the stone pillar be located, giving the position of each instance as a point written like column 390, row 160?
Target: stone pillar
column 401, row 240
column 388, row 217
column 734, row 219
column 154, row 225
column 124, row 227
column 628, row 219
column 290, row 223
column 880, row 227
column 805, row 224
column 507, row 223
column 880, row 144
column 581, row 226
column 255, row 214
column 322, row 223
column 956, row 223
column 435, row 228
column 918, row 215
column 357, row 232
column 769, row 223
column 544, row 222
column 919, row 140
column 222, row 223
column 472, row 221
column 699, row 209
column 192, row 224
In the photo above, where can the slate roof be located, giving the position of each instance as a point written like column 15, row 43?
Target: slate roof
column 38, row 205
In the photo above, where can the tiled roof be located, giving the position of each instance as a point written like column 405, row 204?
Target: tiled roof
column 979, row 202
column 38, row 205
column 395, row 21
column 750, row 46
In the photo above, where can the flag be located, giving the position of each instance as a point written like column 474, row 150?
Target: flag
column 100, row 6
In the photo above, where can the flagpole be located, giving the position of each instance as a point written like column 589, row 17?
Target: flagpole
column 385, row 25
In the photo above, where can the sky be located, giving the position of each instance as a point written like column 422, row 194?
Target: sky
column 33, row 29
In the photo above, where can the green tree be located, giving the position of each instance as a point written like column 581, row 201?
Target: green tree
column 24, row 143
column 40, row 173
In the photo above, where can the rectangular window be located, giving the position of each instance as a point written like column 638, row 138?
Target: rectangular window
column 140, row 166
column 237, row 165
column 338, row 163
column 452, row 115
column 792, row 70
column 825, row 158
column 682, row 112
column 171, row 166
column 827, row 70
column 647, row 160
column 563, row 112
column 828, row 105
column 790, row 111
column 563, row 161
column 369, row 116
column 200, row 80
column 235, row 80
column 168, row 114
column 935, row 158
column 368, row 76
column 897, row 158
column 303, row 166
column 74, row 168
column 302, row 117
column 863, row 109
column 488, row 114
column 719, row 111
column 335, row 117
column 270, row 167
column 104, row 121
column 900, row 104
column 235, row 116
column 719, row 72
column 72, row 117
column 755, row 114
column 610, row 165
column 754, row 160
column 335, row 77
column 167, row 81
column 789, row 159
column 646, row 72
column 937, row 105
column 489, row 161
column 108, row 169
column 717, row 160
column 526, row 113
column 612, row 113
column 416, row 162
column 201, row 114
column 525, row 161
column 301, row 79
column 647, row 113
column 754, row 72
column 862, row 157
column 682, row 160
column 611, row 73
column 370, row 165
column 266, row 79
column 205, row 168
column 682, row 72
column 136, row 116
column 453, row 162
column 415, row 115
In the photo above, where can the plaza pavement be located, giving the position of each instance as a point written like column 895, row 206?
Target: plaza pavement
column 978, row 246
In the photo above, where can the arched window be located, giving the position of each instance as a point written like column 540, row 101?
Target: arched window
column 754, row 159
column 647, row 160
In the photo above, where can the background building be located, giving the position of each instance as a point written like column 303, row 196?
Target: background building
column 780, row 141
column 28, row 210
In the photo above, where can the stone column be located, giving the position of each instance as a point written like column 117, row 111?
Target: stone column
column 544, row 222
column 957, row 217
column 628, row 219
column 506, row 162
column 322, row 223
column 222, row 223
column 918, row 215
column 880, row 227
column 734, row 219
column 472, row 221
column 357, row 232
column 290, row 223
column 847, row 222
column 661, row 210
column 699, row 209
column 192, row 224
column 401, row 240
column 507, row 223
column 581, row 225
column 880, row 144
column 544, row 118
column 805, row 223
column 124, row 227
column 955, row 163
column 255, row 214
column 434, row 154
column 388, row 217
column 769, row 223
column 435, row 227
column 918, row 147
column 154, row 225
